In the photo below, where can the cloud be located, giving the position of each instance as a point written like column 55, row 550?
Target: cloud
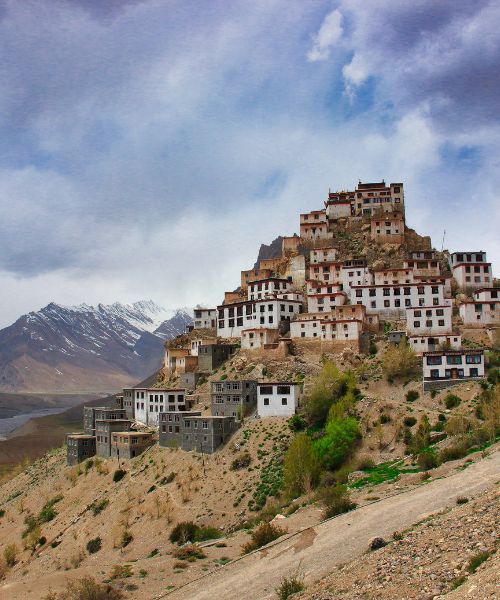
column 147, row 150
column 328, row 35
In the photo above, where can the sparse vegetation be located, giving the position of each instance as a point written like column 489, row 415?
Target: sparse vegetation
column 262, row 535
column 94, row 545
column 301, row 468
column 187, row 531
column 289, row 586
column 241, row 461
column 121, row 572
column 477, row 560
column 86, row 588
column 452, row 401
column 118, row 475
column 412, row 395
column 10, row 555
column 98, row 506
column 189, row 553
column 336, row 500
column 400, row 361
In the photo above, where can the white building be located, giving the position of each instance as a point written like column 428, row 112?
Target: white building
column 350, row 276
column 314, row 225
column 447, row 367
column 431, row 343
column 205, row 318
column 265, row 288
column 393, row 300
column 255, row 314
column 428, row 320
column 483, row 309
column 393, row 276
column 425, row 267
column 202, row 341
column 149, row 402
column 470, row 270
column 278, row 399
column 325, row 302
column 255, row 339
column 375, row 197
column 326, row 328
column 320, row 255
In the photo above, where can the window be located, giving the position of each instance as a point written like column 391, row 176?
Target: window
column 372, row 292
column 473, row 359
column 387, row 292
column 416, row 324
column 434, row 373
column 454, row 360
column 266, row 389
column 266, row 401
column 420, row 290
column 387, row 303
column 439, row 312
column 434, row 360
column 473, row 372
column 283, row 389
column 284, row 401
column 407, row 292
column 441, row 323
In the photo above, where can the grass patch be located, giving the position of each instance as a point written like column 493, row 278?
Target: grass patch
column 477, row 560
column 388, row 471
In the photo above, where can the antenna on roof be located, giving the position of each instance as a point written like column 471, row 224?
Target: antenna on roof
column 442, row 243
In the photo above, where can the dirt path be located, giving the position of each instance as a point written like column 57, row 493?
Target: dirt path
column 318, row 550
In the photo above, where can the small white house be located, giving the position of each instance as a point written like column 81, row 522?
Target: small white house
column 448, row 367
column 483, row 309
column 318, row 255
column 428, row 320
column 278, row 399
column 205, row 318
column 149, row 402
column 470, row 270
column 430, row 343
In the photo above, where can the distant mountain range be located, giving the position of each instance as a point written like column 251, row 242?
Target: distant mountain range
column 86, row 348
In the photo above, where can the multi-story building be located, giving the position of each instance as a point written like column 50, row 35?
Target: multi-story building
column 254, row 275
column 448, row 367
column 212, row 356
column 171, row 427
column 255, row 314
column 388, row 228
column 233, row 398
column 196, row 344
column 150, row 402
column 350, row 275
column 79, row 447
column 278, row 399
column 423, row 267
column 393, row 300
column 103, row 431
column 258, row 339
column 290, row 245
column 429, row 320
column 199, row 433
column 93, row 413
column 325, row 302
column 431, row 343
column 205, row 318
column 322, row 255
column 339, row 205
column 483, row 310
column 129, row 444
column 266, row 288
column 314, row 225
column 393, row 276
column 374, row 197
column 128, row 402
column 326, row 272
column 470, row 270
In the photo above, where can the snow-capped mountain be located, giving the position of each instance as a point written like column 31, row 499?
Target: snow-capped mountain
column 80, row 348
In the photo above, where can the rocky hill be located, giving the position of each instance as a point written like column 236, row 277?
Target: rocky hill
column 86, row 348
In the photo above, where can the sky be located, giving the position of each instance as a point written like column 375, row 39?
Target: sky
column 148, row 147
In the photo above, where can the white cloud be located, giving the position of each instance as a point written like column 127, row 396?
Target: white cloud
column 328, row 35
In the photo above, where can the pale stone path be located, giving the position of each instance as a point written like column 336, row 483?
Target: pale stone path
column 321, row 548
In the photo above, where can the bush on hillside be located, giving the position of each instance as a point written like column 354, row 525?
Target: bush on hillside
column 300, row 468
column 452, row 401
column 289, row 586
column 262, row 535
column 94, row 545
column 412, row 395
column 241, row 461
column 86, row 589
column 118, row 475
column 400, row 361
column 336, row 500
column 10, row 555
column 410, row 421
column 187, row 531
column 297, row 423
column 338, row 443
column 427, row 459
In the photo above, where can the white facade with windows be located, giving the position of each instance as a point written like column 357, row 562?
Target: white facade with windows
column 319, row 255
column 453, row 365
column 149, row 402
column 255, row 339
column 325, row 302
column 423, row 267
column 393, row 300
column 255, row 314
column 278, row 399
column 393, row 276
column 483, row 310
column 204, row 318
column 428, row 320
column 350, row 276
column 325, row 272
column 257, row 290
column 470, row 270
column 431, row 343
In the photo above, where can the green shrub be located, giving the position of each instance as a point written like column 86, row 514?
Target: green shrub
column 86, row 588
column 48, row 512
column 338, row 443
column 453, row 453
column 384, row 419
column 289, row 586
column 2, row 513
column 264, row 534
column 94, row 545
column 336, row 500
column 400, row 361
column 10, row 555
column 412, row 395
column 409, row 421
column 121, row 572
column 364, row 463
column 422, row 437
column 300, row 467
column 183, row 532
column 207, row 533
column 297, row 423
column 452, row 401
column 118, row 475
column 31, row 523
column 462, row 500
column 97, row 507
column 373, row 348
column 167, row 479
column 189, row 553
column 127, row 537
column 241, row 461
column 427, row 459
column 477, row 560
